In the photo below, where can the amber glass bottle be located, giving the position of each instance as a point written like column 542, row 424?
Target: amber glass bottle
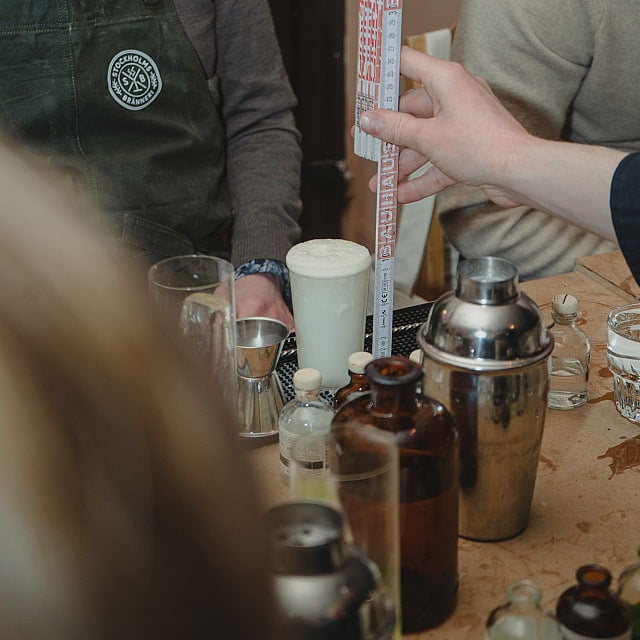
column 629, row 592
column 428, row 445
column 358, row 381
column 590, row 610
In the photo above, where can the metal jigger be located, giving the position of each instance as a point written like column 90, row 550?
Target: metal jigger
column 258, row 345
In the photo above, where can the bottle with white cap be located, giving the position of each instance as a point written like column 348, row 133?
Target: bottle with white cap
column 570, row 356
column 306, row 413
column 358, row 381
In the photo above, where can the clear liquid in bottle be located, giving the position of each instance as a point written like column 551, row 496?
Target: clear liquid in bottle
column 569, row 377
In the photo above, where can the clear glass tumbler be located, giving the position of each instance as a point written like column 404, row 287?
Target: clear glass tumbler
column 356, row 471
column 194, row 296
column 623, row 357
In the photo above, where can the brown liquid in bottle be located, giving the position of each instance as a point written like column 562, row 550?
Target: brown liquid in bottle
column 428, row 446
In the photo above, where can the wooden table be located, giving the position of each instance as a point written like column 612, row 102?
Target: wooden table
column 586, row 505
column 611, row 271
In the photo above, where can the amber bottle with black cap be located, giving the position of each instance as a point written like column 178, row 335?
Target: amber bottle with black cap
column 428, row 448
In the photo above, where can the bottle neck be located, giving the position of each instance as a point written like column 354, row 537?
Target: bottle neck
column 565, row 320
column 394, row 398
column 306, row 395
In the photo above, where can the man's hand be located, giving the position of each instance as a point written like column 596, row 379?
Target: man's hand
column 260, row 294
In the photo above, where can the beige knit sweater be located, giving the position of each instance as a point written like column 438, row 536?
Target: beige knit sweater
column 568, row 69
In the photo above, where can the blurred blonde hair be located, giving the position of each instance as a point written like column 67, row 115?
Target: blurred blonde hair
column 126, row 509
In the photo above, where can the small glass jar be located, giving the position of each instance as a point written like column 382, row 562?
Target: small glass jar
column 590, row 610
column 522, row 617
column 569, row 377
column 306, row 413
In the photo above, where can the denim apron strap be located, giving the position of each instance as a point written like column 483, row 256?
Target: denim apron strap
column 113, row 92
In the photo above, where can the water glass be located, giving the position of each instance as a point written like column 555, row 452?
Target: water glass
column 354, row 468
column 329, row 290
column 173, row 279
column 623, row 357
column 194, row 295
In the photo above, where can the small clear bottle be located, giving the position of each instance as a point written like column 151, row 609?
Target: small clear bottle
column 306, row 413
column 358, row 381
column 522, row 617
column 570, row 357
column 629, row 593
column 590, row 610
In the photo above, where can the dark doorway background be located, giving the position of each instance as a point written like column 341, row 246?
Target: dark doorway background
column 311, row 36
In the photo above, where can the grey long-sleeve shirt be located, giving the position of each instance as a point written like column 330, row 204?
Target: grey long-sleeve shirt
column 567, row 70
column 236, row 43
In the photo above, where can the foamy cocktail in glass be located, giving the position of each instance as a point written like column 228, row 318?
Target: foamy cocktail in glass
column 329, row 289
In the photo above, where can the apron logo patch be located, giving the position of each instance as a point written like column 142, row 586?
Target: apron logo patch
column 133, row 79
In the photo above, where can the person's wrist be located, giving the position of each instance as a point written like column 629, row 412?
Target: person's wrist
column 275, row 269
column 514, row 164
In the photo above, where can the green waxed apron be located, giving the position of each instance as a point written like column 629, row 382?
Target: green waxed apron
column 113, row 92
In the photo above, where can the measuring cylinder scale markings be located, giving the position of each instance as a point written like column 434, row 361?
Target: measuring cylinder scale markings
column 378, row 86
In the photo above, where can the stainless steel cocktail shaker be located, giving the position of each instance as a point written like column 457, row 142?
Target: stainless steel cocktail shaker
column 486, row 352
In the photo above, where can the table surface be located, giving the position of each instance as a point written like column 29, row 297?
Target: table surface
column 586, row 504
column 611, row 271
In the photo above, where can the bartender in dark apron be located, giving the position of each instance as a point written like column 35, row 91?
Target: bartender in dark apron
column 114, row 93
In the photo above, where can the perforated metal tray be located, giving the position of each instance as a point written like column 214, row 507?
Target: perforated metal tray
column 406, row 323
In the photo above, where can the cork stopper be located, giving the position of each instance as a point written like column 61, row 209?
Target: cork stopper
column 565, row 304
column 358, row 361
column 307, row 379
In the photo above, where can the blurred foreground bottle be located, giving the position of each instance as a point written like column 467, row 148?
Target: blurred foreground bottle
column 629, row 593
column 358, row 381
column 522, row 617
column 570, row 356
column 306, row 413
column 590, row 610
column 428, row 445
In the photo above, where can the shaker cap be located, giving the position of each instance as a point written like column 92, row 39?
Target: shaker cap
column 486, row 324
column 325, row 588
column 565, row 304
column 359, row 360
column 307, row 379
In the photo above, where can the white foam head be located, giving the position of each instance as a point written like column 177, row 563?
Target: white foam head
column 328, row 258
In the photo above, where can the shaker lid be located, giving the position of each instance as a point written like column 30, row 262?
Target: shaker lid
column 306, row 537
column 486, row 323
column 325, row 588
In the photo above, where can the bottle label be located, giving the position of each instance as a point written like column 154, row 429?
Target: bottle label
column 310, row 458
column 567, row 634
column 287, row 440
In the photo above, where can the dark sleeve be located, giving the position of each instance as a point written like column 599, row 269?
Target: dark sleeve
column 625, row 210
column 263, row 144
